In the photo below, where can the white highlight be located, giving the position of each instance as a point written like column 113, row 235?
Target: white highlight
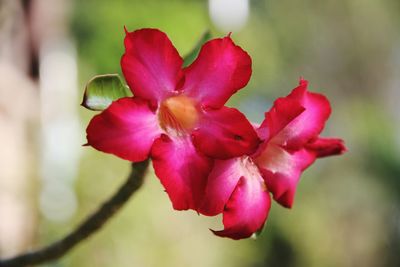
column 57, row 201
column 60, row 131
column 229, row 15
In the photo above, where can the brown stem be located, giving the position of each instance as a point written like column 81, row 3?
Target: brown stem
column 88, row 227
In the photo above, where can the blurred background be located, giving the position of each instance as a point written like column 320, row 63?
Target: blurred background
column 347, row 209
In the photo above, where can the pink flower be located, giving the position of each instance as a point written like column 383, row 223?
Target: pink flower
column 239, row 187
column 177, row 115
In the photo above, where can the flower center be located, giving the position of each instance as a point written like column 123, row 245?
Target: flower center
column 179, row 114
column 251, row 171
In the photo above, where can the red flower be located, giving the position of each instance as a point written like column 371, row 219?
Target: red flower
column 177, row 115
column 239, row 187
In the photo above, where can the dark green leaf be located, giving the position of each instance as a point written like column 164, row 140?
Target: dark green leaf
column 192, row 55
column 101, row 90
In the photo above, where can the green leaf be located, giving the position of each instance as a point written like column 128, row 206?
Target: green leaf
column 192, row 55
column 101, row 90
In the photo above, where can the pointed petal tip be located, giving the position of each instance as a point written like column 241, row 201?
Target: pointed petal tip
column 126, row 30
column 340, row 148
column 215, row 232
column 230, row 234
column 219, row 233
column 231, row 67
column 285, row 199
column 302, row 81
column 324, row 147
column 343, row 148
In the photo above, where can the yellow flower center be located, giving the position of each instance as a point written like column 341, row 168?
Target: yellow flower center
column 178, row 114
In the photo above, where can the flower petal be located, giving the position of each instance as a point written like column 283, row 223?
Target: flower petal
column 282, row 169
column 225, row 133
column 324, row 147
column 308, row 124
column 283, row 112
column 248, row 206
column 127, row 129
column 151, row 64
column 291, row 143
column 221, row 69
column 221, row 182
column 182, row 171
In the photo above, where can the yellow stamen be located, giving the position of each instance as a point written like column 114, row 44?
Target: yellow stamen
column 178, row 113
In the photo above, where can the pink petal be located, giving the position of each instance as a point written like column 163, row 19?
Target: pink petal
column 182, row 171
column 221, row 182
column 225, row 133
column 127, row 129
column 291, row 143
column 221, row 69
column 282, row 170
column 304, row 127
column 151, row 64
column 324, row 147
column 283, row 112
column 247, row 209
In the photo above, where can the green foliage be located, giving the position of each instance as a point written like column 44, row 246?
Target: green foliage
column 101, row 90
column 192, row 55
column 99, row 27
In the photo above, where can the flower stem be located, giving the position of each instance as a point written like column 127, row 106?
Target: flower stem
column 92, row 224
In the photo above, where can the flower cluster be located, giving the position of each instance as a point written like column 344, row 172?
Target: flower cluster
column 208, row 156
